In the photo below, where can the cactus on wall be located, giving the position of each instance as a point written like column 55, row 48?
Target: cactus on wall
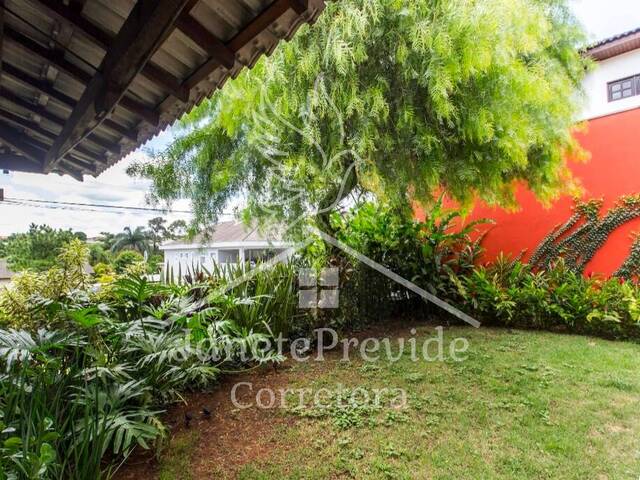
column 585, row 232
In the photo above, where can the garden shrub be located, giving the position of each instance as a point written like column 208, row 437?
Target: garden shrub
column 22, row 302
column 98, row 254
column 426, row 253
column 125, row 259
column 511, row 293
column 443, row 260
column 74, row 401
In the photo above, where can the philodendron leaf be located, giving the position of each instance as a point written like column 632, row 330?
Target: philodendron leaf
column 47, row 454
column 13, row 443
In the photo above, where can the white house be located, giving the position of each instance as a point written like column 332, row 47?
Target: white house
column 613, row 86
column 229, row 243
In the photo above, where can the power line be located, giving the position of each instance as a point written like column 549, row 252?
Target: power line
column 62, row 207
column 77, row 204
column 82, row 207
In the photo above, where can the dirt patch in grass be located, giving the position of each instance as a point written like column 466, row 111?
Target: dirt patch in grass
column 221, row 444
column 228, row 438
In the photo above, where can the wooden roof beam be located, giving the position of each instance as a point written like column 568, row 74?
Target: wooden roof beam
column 1, row 34
column 130, row 134
column 104, row 39
column 26, row 124
column 143, row 112
column 299, row 6
column 74, row 18
column 263, row 20
column 206, row 40
column 44, row 113
column 246, row 35
column 47, row 55
column 31, row 107
column 147, row 26
column 58, row 61
column 13, row 140
column 67, row 101
column 79, row 164
column 34, row 127
column 38, row 84
column 18, row 163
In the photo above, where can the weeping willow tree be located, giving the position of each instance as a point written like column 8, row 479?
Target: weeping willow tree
column 389, row 98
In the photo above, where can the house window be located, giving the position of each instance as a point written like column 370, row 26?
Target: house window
column 625, row 88
column 228, row 256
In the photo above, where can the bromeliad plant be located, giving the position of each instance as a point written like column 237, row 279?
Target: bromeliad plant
column 511, row 293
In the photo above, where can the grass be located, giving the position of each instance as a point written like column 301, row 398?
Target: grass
column 177, row 459
column 522, row 405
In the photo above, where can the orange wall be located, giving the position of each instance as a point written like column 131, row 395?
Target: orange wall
column 614, row 170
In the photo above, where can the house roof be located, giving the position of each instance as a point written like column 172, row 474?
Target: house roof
column 616, row 45
column 85, row 82
column 5, row 273
column 227, row 232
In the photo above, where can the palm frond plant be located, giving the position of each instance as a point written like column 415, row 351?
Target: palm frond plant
column 137, row 239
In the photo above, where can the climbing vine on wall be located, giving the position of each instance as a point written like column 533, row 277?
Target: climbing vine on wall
column 631, row 267
column 585, row 232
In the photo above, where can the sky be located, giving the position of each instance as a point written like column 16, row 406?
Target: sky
column 601, row 19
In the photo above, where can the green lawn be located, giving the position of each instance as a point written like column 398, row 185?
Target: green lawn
column 523, row 405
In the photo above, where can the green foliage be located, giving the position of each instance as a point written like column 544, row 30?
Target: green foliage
column 125, row 259
column 395, row 99
column 137, row 239
column 442, row 258
column 73, row 404
column 98, row 254
column 426, row 253
column 586, row 231
column 512, row 294
column 157, row 231
column 177, row 229
column 37, row 249
column 106, row 239
column 264, row 299
column 25, row 303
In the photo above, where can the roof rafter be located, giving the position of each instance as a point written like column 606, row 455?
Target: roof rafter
column 71, row 69
column 104, row 39
column 206, row 40
column 265, row 18
column 147, row 26
column 44, row 113
column 37, row 84
column 36, row 128
column 65, row 100
column 13, row 140
column 11, row 161
column 79, row 164
column 49, row 56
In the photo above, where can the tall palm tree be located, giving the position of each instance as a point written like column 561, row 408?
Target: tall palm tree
column 137, row 239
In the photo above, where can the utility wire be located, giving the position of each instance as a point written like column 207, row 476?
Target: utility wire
column 81, row 207
column 53, row 207
column 76, row 204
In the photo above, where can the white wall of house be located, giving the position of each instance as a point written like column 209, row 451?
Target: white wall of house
column 595, row 84
column 185, row 257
